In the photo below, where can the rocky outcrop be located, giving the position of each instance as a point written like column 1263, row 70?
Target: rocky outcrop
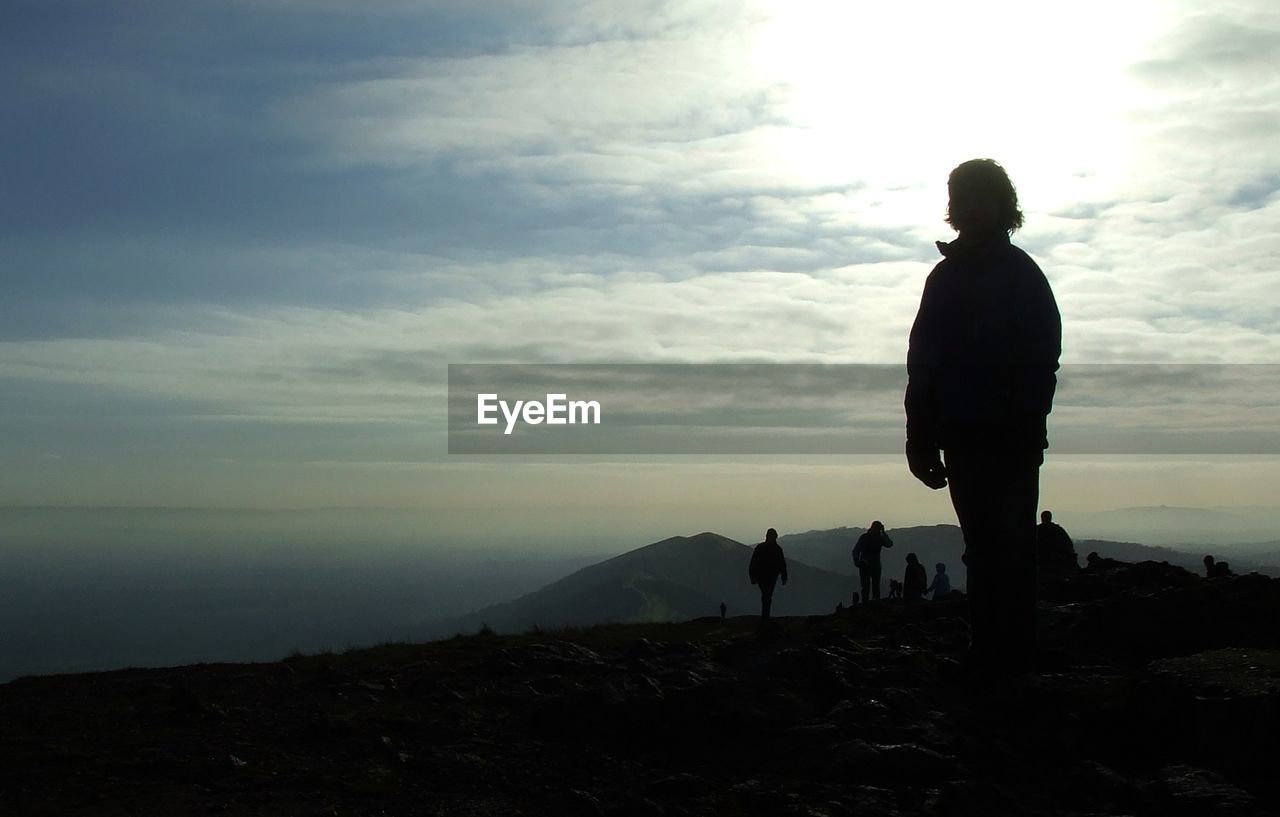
column 1156, row 693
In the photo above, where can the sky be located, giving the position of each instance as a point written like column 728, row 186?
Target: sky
column 243, row 240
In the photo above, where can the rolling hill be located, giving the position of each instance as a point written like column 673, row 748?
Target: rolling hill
column 678, row 578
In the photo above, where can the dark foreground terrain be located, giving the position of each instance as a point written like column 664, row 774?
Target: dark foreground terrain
column 1157, row 692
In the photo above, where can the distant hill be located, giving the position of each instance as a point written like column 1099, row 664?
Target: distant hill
column 679, row 578
column 1178, row 527
column 687, row 577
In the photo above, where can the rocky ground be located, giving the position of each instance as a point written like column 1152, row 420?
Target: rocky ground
column 1157, row 692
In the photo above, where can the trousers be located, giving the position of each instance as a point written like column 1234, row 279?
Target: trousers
column 870, row 576
column 995, row 494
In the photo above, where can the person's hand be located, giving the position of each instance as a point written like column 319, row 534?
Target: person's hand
column 925, row 463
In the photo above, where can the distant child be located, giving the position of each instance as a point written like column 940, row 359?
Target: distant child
column 941, row 585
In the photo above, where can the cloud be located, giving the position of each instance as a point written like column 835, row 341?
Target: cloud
column 283, row 213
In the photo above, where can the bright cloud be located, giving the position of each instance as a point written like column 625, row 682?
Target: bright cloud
column 308, row 228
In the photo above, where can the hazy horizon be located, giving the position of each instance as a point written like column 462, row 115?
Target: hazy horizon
column 101, row 588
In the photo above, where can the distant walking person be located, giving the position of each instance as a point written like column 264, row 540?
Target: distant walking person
column 941, row 584
column 724, row 609
column 981, row 376
column 866, row 557
column 1055, row 551
column 767, row 566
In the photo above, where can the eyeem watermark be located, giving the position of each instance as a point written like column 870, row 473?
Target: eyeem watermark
column 558, row 410
column 770, row 408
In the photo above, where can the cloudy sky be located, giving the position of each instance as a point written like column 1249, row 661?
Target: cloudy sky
column 243, row 239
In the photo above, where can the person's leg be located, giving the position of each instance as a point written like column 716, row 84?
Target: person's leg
column 864, row 573
column 995, row 500
column 875, row 581
column 766, row 596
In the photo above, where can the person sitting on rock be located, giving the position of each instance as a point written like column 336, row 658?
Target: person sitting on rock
column 1055, row 552
column 941, row 584
column 1214, row 569
column 1095, row 562
column 767, row 565
column 915, row 580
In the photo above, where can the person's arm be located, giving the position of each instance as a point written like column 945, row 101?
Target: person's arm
column 1039, row 350
column 922, row 447
column 886, row 541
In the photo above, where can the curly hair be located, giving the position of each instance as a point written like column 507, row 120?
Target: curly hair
column 986, row 179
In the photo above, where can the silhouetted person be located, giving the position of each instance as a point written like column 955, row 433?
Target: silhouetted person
column 866, row 557
column 915, row 580
column 767, row 565
column 941, row 584
column 1055, row 551
column 723, row 609
column 1215, row 570
column 981, row 376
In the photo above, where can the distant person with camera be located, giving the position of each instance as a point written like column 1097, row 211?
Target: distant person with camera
column 866, row 557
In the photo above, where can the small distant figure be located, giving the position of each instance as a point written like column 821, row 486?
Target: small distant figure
column 1055, row 552
column 866, row 557
column 941, row 584
column 839, row 607
column 895, row 589
column 1214, row 569
column 915, row 580
column 767, row 566
column 723, row 609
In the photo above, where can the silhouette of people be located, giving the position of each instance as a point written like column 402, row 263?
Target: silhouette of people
column 981, row 369
column 866, row 557
column 723, row 609
column 1215, row 570
column 767, row 566
column 915, row 580
column 1055, row 551
column 941, row 584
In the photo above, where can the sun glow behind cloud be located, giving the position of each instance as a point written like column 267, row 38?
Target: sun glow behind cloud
column 894, row 95
column 383, row 193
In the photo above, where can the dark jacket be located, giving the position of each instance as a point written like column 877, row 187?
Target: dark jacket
column 1055, row 552
column 984, row 350
column 866, row 553
column 767, row 563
